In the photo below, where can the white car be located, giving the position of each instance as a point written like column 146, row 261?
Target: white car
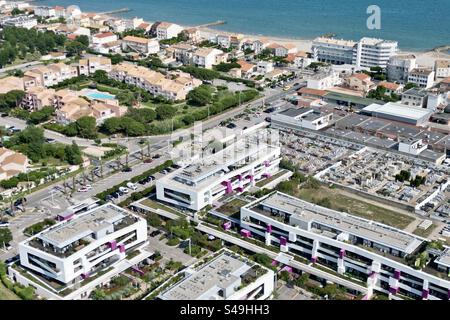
column 132, row 186
column 4, row 224
column 85, row 188
column 123, row 190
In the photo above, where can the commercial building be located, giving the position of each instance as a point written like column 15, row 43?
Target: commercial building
column 422, row 77
column 398, row 112
column 83, row 245
column 296, row 119
column 399, row 67
column 372, row 252
column 21, row 21
column 228, row 276
column 232, row 169
column 140, row 45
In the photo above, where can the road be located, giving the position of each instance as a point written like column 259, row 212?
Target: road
column 24, row 66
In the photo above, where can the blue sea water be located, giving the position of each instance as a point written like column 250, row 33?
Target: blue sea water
column 416, row 24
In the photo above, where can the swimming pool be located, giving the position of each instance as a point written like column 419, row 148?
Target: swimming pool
column 99, row 95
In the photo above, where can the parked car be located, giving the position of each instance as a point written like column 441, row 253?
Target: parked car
column 155, row 233
column 4, row 224
column 143, row 181
column 156, row 156
column 127, row 169
column 131, row 186
column 148, row 160
column 109, row 197
column 231, row 125
column 123, row 190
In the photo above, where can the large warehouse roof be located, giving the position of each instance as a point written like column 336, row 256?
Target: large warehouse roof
column 399, row 110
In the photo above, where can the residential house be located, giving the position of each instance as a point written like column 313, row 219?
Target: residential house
column 167, row 30
column 90, row 65
column 38, row 97
column 144, row 26
column 422, row 77
column 415, row 97
column 264, row 67
column 247, row 69
column 12, row 163
column 103, row 38
column 442, row 68
column 207, row 57
column 11, row 83
column 143, row 46
column 360, row 82
column 324, row 80
column 391, row 88
column 282, row 50
column 181, row 52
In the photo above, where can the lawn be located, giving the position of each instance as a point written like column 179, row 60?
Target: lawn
column 6, row 294
column 156, row 205
column 232, row 207
column 424, row 233
column 331, row 198
column 262, row 183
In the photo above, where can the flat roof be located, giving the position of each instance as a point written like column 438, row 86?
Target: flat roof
column 83, row 225
column 399, row 110
column 349, row 98
column 222, row 272
column 444, row 259
column 363, row 228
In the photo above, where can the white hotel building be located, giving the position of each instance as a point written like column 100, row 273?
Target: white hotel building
column 369, row 251
column 84, row 244
column 233, row 169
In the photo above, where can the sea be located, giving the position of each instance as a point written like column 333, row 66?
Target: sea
column 416, row 24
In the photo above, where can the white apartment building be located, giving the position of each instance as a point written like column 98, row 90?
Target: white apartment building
column 90, row 65
column 206, row 57
column 228, row 276
column 367, row 250
column 422, row 77
column 324, row 80
column 51, row 75
column 167, row 30
column 103, row 38
column 77, row 248
column 264, row 67
column 367, row 52
column 399, row 67
column 21, row 21
column 333, row 51
column 46, row 12
column 296, row 119
column 233, row 169
column 371, row 52
column 442, row 68
column 140, row 45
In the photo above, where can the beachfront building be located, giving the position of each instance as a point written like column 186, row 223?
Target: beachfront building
column 88, row 66
column 12, row 163
column 299, row 118
column 366, row 53
column 371, row 52
column 422, row 77
column 442, row 68
column 45, row 12
column 228, row 276
column 399, row 67
column 334, row 51
column 256, row 45
column 143, row 46
column 172, row 88
column 207, row 57
column 83, row 245
column 232, row 169
column 167, row 30
column 282, row 50
column 372, row 252
column 51, row 74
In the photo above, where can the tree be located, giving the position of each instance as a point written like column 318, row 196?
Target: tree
column 41, row 115
column 11, row 99
column 83, row 39
column 72, row 154
column 410, row 85
column 153, row 220
column 165, row 112
column 142, row 115
column 5, row 236
column 86, row 127
column 16, row 11
column 116, row 58
column 200, row 96
column 75, row 48
column 112, row 125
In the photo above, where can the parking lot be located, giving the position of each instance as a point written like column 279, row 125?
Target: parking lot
column 292, row 293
